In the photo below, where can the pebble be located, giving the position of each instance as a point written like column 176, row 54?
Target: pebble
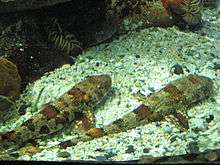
column 157, row 124
column 130, row 149
column 146, row 150
column 110, row 154
column 30, row 149
column 173, row 138
column 177, row 69
column 64, row 154
column 66, row 144
column 100, row 158
column 137, row 56
column 167, row 129
column 209, row 118
column 216, row 66
column 199, row 125
column 193, row 147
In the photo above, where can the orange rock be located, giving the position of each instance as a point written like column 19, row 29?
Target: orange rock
column 187, row 10
column 10, row 80
column 8, row 135
column 30, row 149
column 95, row 132
column 173, row 6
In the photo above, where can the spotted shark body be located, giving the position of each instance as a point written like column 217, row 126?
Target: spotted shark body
column 170, row 103
column 77, row 106
column 74, row 107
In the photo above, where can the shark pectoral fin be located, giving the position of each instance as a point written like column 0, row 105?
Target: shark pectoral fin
column 89, row 117
column 84, row 120
column 179, row 119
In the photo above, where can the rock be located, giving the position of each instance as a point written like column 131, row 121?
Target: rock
column 130, row 149
column 209, row 118
column 18, row 5
column 5, row 105
column 30, row 149
column 216, row 66
column 23, row 45
column 110, row 154
column 64, row 154
column 189, row 12
column 193, row 147
column 101, row 158
column 67, row 143
column 149, row 13
column 177, row 69
column 10, row 80
column 212, row 155
column 146, row 150
column 210, row 3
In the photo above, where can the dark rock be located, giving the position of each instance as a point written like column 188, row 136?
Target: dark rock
column 157, row 124
column 216, row 66
column 121, row 55
column 157, row 146
column 18, row 5
column 5, row 106
column 64, row 154
column 110, row 153
column 146, row 150
column 130, row 149
column 5, row 103
column 212, row 156
column 10, row 80
column 36, row 60
column 97, row 64
column 22, row 109
column 193, row 147
column 23, row 44
column 120, row 141
column 66, row 144
column 209, row 118
column 173, row 138
column 177, row 69
column 211, row 3
column 137, row 56
column 99, row 150
column 14, row 154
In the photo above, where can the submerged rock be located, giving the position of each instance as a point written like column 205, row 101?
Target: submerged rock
column 10, row 80
column 5, row 105
column 18, row 5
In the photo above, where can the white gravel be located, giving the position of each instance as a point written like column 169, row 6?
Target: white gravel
column 139, row 61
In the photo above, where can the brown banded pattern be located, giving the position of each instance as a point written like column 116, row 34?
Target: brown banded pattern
column 81, row 99
column 168, row 103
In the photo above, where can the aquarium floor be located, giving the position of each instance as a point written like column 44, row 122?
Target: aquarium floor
column 139, row 61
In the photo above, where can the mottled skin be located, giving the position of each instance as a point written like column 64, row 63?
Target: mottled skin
column 169, row 103
column 76, row 105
